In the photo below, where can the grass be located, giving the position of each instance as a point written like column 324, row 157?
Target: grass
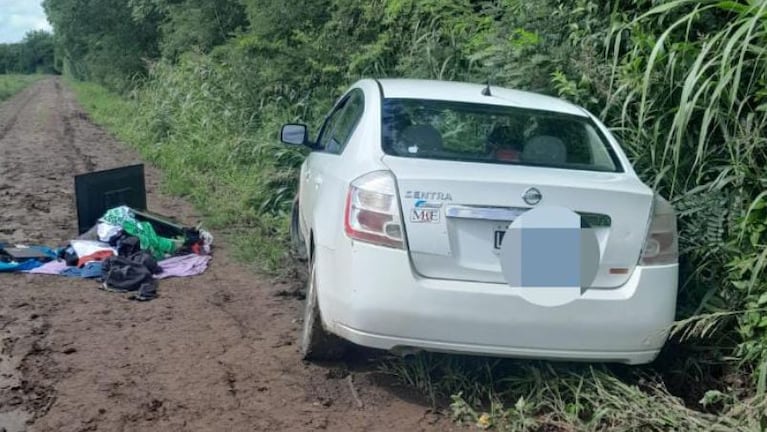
column 514, row 395
column 107, row 109
column 222, row 195
column 12, row 84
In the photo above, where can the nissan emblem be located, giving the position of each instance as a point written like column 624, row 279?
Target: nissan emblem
column 532, row 196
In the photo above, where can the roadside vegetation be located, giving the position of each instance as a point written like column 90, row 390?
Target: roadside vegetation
column 34, row 54
column 12, row 84
column 201, row 87
column 19, row 62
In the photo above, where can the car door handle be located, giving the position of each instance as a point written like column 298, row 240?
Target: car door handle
column 317, row 181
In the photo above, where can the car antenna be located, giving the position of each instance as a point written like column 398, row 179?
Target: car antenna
column 486, row 90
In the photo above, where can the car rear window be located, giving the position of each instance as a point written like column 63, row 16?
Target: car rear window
column 469, row 132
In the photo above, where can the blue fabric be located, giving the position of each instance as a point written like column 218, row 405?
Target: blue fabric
column 91, row 270
column 13, row 266
column 46, row 250
column 17, row 267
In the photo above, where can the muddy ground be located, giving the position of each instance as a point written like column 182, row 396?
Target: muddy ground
column 213, row 353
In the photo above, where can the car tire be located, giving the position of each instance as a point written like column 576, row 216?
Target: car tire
column 316, row 343
column 297, row 244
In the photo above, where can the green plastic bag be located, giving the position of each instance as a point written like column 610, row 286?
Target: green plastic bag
column 156, row 245
column 118, row 215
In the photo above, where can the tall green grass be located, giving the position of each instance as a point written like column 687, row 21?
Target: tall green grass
column 693, row 112
column 515, row 395
column 510, row 395
column 206, row 150
column 12, row 84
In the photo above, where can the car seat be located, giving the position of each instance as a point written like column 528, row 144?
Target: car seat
column 504, row 144
column 421, row 138
column 546, row 150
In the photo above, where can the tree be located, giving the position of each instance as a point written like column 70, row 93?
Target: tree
column 34, row 54
column 103, row 41
column 37, row 52
column 191, row 25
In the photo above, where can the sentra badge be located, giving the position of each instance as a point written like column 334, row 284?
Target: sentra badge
column 428, row 196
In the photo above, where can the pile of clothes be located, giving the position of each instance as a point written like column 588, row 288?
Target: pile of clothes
column 124, row 253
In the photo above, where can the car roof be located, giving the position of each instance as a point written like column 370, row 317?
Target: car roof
column 472, row 93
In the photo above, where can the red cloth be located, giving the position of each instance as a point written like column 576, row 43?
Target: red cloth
column 507, row 155
column 98, row 256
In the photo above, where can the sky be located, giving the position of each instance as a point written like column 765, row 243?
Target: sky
column 17, row 17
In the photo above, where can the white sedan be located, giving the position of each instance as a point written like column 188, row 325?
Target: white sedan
column 407, row 196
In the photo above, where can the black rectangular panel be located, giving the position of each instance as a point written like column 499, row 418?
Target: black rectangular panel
column 97, row 192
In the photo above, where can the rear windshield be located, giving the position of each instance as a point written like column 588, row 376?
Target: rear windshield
column 430, row 129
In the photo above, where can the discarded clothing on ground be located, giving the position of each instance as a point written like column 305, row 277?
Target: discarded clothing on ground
column 14, row 266
column 124, row 253
column 185, row 265
column 123, row 219
column 94, row 257
column 132, row 274
column 106, row 231
column 50, row 268
column 91, row 270
column 178, row 266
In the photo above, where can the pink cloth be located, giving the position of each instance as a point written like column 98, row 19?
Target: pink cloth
column 181, row 266
column 49, row 268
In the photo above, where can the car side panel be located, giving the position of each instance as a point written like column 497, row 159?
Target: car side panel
column 326, row 219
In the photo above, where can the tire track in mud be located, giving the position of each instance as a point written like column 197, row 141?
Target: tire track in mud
column 72, row 152
column 27, row 372
column 27, row 96
column 31, row 171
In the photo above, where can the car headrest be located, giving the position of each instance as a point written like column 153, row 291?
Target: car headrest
column 545, row 149
column 505, row 136
column 425, row 137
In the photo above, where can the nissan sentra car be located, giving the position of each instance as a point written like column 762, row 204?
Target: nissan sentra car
column 402, row 208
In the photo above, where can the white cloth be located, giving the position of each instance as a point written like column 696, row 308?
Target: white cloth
column 207, row 241
column 88, row 247
column 106, row 231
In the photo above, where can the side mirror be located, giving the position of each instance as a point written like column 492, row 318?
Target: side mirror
column 294, row 134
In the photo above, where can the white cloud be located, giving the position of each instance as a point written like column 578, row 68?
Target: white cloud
column 17, row 17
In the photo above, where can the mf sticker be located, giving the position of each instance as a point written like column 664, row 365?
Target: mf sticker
column 425, row 212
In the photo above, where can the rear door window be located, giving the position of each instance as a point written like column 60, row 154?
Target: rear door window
column 469, row 132
column 340, row 125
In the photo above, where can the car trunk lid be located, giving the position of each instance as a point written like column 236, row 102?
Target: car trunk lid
column 455, row 214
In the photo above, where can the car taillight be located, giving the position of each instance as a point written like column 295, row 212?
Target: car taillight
column 661, row 245
column 372, row 211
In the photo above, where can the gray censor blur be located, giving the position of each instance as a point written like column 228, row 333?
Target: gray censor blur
column 549, row 256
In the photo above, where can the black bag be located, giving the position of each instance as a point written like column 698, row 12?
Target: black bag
column 122, row 274
column 126, row 245
column 147, row 260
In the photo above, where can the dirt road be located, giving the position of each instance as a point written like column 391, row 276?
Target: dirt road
column 212, row 353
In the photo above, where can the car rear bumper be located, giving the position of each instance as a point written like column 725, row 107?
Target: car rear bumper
column 371, row 296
